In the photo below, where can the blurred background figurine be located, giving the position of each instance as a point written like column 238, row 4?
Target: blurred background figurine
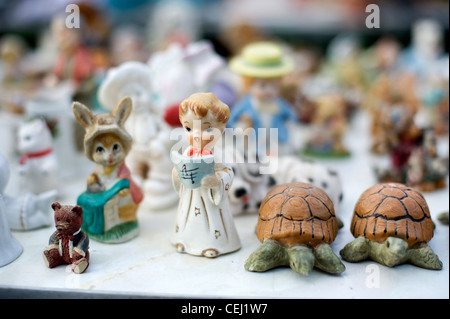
column 148, row 159
column 10, row 247
column 39, row 168
column 262, row 66
column 425, row 169
column 328, row 127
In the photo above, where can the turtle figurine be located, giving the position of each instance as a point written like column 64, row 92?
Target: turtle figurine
column 296, row 225
column 392, row 225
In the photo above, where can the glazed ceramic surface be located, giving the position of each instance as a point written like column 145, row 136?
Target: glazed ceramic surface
column 10, row 248
column 38, row 163
column 204, row 224
column 149, row 156
column 112, row 198
column 392, row 225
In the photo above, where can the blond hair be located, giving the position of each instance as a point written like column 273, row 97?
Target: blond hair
column 201, row 103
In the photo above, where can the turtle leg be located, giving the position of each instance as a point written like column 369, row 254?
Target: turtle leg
column 443, row 218
column 424, row 257
column 357, row 250
column 340, row 223
column 301, row 259
column 326, row 260
column 391, row 252
column 267, row 256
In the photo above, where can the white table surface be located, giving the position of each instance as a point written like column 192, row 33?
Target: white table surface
column 149, row 266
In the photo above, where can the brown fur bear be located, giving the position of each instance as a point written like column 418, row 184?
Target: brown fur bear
column 68, row 244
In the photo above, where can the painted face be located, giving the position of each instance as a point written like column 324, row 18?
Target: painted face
column 202, row 132
column 265, row 89
column 108, row 150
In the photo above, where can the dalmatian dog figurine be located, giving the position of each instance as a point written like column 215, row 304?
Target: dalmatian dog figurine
column 250, row 186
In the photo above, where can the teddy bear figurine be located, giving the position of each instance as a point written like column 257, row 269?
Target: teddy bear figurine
column 68, row 244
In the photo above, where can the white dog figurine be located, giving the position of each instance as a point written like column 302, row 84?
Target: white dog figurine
column 250, row 186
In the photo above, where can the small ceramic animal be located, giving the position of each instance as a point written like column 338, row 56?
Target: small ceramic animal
column 38, row 168
column 10, row 247
column 296, row 226
column 250, row 186
column 112, row 198
column 392, row 225
column 68, row 244
column 293, row 169
column 204, row 224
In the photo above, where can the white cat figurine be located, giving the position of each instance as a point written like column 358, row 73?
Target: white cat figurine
column 38, row 167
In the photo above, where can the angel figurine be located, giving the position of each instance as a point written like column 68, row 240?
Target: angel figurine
column 204, row 223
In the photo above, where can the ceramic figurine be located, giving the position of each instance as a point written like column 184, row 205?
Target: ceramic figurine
column 68, row 244
column 74, row 63
column 329, row 124
column 262, row 66
column 127, row 45
column 172, row 22
column 292, row 169
column 250, row 186
column 204, row 224
column 344, row 66
column 296, row 226
column 112, row 198
column 12, row 52
column 425, row 170
column 53, row 104
column 38, row 168
column 178, row 71
column 392, row 225
column 28, row 211
column 393, row 105
column 426, row 50
column 395, row 133
column 426, row 59
column 25, row 211
column 149, row 156
column 10, row 247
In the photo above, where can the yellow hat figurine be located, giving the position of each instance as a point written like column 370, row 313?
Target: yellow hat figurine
column 262, row 60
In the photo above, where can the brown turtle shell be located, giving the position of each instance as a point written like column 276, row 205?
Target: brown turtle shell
column 392, row 210
column 297, row 213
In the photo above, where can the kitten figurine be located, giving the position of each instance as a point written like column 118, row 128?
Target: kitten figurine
column 38, row 163
column 112, row 198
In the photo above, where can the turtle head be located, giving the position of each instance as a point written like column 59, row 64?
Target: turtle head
column 393, row 251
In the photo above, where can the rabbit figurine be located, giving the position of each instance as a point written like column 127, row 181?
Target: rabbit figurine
column 38, row 167
column 112, row 198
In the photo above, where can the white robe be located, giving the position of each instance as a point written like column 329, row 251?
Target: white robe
column 204, row 220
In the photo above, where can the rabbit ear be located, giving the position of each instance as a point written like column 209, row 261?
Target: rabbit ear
column 83, row 115
column 122, row 111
